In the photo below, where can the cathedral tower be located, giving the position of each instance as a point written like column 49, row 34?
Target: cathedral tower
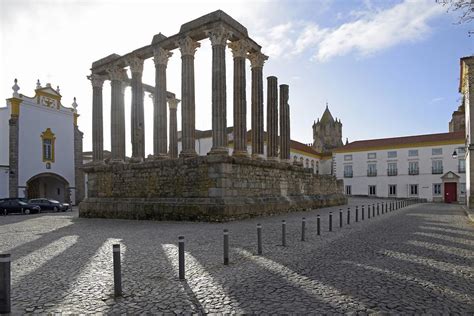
column 327, row 133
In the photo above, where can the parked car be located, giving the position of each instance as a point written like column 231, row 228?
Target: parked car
column 50, row 205
column 8, row 206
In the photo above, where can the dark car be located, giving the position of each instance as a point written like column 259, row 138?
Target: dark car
column 8, row 206
column 50, row 205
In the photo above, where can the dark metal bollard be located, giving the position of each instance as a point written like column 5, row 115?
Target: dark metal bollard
column 363, row 211
column 357, row 214
column 383, row 208
column 259, row 239
column 378, row 210
column 117, row 270
column 330, row 221
column 373, row 210
column 318, row 225
column 340, row 217
column 368, row 211
column 226, row 247
column 303, row 228
column 5, row 283
column 348, row 216
column 181, row 257
column 283, row 233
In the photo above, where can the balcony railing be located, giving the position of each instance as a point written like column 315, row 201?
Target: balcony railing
column 371, row 173
column 437, row 170
column 392, row 172
column 348, row 174
column 413, row 171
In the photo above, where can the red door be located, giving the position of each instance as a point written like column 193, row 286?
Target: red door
column 450, row 192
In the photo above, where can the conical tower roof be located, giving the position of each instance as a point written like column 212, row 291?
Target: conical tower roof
column 327, row 116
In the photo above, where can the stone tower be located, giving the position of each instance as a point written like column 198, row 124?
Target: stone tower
column 327, row 133
column 458, row 120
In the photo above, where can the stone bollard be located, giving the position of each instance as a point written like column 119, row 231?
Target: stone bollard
column 259, row 239
column 340, row 217
column 318, row 225
column 303, row 229
column 283, row 233
column 117, row 270
column 181, row 257
column 5, row 283
column 357, row 214
column 348, row 216
column 226, row 247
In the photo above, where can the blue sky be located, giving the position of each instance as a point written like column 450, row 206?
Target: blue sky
column 387, row 68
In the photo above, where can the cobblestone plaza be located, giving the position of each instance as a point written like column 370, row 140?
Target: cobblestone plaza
column 418, row 259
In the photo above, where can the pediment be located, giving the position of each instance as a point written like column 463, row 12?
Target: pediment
column 450, row 176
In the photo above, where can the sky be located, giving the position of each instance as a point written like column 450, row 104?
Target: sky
column 386, row 68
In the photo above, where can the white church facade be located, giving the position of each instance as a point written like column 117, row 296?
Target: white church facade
column 40, row 147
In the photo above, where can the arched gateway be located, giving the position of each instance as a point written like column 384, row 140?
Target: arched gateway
column 48, row 185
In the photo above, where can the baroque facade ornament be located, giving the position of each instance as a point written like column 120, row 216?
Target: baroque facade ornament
column 257, row 59
column 96, row 80
column 218, row 36
column 116, row 73
column 239, row 48
column 135, row 63
column 161, row 56
column 188, row 46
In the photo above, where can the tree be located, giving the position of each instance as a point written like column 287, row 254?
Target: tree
column 465, row 7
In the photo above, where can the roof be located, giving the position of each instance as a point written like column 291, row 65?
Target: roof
column 327, row 116
column 405, row 142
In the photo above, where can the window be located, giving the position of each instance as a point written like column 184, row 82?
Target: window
column 436, row 151
column 461, row 151
column 413, row 168
column 347, row 157
column 371, row 170
column 392, row 190
column 372, row 190
column 47, row 140
column 413, row 189
column 437, row 166
column 348, row 171
column 462, row 188
column 413, row 153
column 295, row 159
column 371, row 156
column 437, row 189
column 307, row 163
column 348, row 190
column 392, row 154
column 461, row 165
column 392, row 169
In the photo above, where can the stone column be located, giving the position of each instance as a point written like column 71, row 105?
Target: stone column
column 239, row 50
column 284, row 123
column 160, row 113
column 188, row 121
column 257, row 59
column 97, row 118
column 137, row 112
column 218, row 37
column 272, row 117
column 117, row 121
column 173, row 105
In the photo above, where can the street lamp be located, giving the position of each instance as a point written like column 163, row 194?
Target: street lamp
column 455, row 154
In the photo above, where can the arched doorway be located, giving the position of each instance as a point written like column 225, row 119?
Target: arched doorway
column 48, row 185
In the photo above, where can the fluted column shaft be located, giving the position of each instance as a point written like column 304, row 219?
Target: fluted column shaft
column 188, row 48
column 239, row 50
column 137, row 111
column 257, row 59
column 218, row 39
column 284, row 123
column 97, row 118
column 117, row 122
column 272, row 117
column 173, row 150
column 160, row 115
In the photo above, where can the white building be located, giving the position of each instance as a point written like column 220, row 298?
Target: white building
column 299, row 152
column 40, row 147
column 404, row 167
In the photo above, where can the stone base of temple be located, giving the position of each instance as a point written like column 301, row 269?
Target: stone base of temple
column 211, row 188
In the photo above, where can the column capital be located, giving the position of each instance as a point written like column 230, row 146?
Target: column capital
column 116, row 73
column 97, row 80
column 257, row 59
column 173, row 103
column 188, row 46
column 161, row 56
column 135, row 63
column 218, row 36
column 239, row 48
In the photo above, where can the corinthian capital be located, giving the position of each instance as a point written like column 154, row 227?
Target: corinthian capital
column 218, row 36
column 257, row 59
column 188, row 46
column 173, row 103
column 161, row 56
column 239, row 48
column 97, row 80
column 116, row 73
column 135, row 63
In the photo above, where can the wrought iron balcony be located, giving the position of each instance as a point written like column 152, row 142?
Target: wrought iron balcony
column 413, row 171
column 392, row 172
column 437, row 170
column 348, row 174
column 371, row 173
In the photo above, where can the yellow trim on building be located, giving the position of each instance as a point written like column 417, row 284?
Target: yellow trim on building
column 75, row 118
column 48, row 135
column 407, row 145
column 15, row 106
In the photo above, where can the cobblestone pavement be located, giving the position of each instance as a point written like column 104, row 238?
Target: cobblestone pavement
column 418, row 259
